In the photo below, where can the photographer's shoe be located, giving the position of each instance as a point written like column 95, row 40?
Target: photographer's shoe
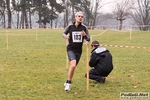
column 102, row 80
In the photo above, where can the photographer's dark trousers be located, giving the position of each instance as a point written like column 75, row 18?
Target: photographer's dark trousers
column 97, row 74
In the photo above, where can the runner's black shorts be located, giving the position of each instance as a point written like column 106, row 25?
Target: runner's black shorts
column 74, row 56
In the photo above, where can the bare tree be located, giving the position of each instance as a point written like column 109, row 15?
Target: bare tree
column 2, row 13
column 96, row 6
column 141, row 14
column 122, row 11
column 66, row 22
column 9, row 13
column 76, row 5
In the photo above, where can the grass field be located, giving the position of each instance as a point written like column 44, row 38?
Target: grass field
column 33, row 66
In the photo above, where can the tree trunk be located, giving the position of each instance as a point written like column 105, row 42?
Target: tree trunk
column 51, row 21
column 40, row 22
column 26, row 20
column 66, row 21
column 52, row 18
column 66, row 18
column 17, row 19
column 73, row 15
column 22, row 20
column 120, row 26
column 30, row 19
column 95, row 14
column 4, row 20
column 9, row 13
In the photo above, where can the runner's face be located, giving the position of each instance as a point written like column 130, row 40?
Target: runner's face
column 79, row 18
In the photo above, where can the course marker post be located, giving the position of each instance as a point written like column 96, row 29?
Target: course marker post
column 131, row 33
column 87, row 66
column 6, row 39
column 66, row 56
column 36, row 35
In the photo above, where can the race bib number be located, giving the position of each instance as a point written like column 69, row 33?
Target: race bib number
column 76, row 37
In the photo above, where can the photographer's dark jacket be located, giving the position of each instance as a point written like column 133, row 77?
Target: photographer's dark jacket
column 101, row 59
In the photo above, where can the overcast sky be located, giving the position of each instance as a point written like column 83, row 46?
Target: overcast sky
column 108, row 7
